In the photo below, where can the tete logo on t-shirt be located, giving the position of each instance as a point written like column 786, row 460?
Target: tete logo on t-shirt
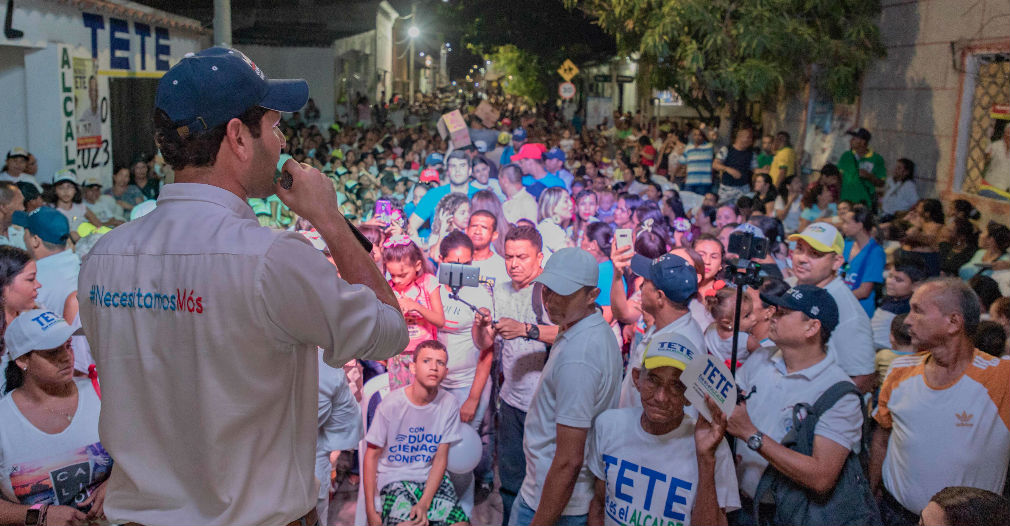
column 638, row 503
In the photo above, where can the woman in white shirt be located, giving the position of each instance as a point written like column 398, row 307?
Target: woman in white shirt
column 52, row 464
column 554, row 211
column 900, row 193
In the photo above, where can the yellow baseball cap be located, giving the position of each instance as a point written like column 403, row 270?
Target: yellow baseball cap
column 671, row 350
column 823, row 237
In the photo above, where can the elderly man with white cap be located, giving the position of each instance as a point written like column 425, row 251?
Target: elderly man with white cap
column 582, row 378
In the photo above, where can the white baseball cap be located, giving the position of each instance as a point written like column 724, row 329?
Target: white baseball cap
column 36, row 330
column 568, row 270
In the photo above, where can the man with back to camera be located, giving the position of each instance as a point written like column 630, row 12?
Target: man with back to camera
column 204, row 325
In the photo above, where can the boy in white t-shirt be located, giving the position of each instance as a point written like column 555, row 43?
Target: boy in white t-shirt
column 655, row 464
column 408, row 448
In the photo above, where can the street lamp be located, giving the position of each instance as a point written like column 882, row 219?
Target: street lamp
column 413, row 32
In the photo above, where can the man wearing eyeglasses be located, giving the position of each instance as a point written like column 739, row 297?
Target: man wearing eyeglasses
column 655, row 464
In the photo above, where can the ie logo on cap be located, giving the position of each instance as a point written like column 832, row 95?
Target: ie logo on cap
column 45, row 320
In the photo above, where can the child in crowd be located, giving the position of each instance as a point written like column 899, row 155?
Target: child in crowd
column 67, row 199
column 901, row 345
column 417, row 290
column 719, row 335
column 408, row 449
column 903, row 276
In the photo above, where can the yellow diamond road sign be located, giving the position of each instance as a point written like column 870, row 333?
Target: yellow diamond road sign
column 568, row 70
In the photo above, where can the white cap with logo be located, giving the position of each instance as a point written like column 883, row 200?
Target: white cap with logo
column 36, row 330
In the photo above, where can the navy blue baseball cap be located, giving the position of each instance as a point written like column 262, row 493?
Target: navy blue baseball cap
column 669, row 273
column 45, row 222
column 519, row 135
column 555, row 153
column 209, row 88
column 432, row 159
column 815, row 302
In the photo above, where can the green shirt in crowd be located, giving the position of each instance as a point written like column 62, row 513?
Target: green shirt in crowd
column 854, row 187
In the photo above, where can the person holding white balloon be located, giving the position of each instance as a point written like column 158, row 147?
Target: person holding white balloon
column 408, row 449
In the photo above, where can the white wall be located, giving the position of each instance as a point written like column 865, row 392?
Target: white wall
column 315, row 65
column 12, row 103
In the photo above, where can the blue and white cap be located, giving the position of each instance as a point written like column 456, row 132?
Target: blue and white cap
column 36, row 330
column 209, row 88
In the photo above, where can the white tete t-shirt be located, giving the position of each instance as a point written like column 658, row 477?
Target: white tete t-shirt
column 410, row 435
column 456, row 335
column 653, row 477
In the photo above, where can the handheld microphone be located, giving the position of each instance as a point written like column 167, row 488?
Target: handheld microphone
column 287, row 181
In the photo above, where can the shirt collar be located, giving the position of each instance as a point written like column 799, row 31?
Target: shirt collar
column 207, row 193
column 585, row 323
column 809, row 373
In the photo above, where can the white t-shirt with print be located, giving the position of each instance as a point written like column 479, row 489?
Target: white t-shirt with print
column 522, row 359
column 456, row 335
column 410, row 435
column 62, row 468
column 653, row 477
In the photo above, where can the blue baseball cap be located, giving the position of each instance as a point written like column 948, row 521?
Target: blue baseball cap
column 556, row 153
column 433, row 158
column 669, row 273
column 209, row 88
column 46, row 223
column 815, row 302
column 519, row 135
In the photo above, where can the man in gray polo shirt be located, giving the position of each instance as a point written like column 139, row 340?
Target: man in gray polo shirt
column 582, row 378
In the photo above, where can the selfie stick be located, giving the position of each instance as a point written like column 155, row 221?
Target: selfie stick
column 287, row 181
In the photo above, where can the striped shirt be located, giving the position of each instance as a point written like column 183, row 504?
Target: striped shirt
column 699, row 163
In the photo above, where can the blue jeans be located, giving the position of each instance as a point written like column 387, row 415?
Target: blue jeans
column 522, row 515
column 511, row 458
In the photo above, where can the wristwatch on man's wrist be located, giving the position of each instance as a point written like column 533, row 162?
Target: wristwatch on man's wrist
column 33, row 517
column 533, row 331
column 755, row 440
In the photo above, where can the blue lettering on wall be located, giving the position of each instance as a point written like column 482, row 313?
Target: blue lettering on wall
column 120, row 43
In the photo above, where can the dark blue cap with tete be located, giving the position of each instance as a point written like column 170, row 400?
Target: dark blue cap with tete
column 209, row 88
column 815, row 302
column 671, row 274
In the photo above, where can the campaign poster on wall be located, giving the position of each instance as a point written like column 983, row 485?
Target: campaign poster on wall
column 87, row 133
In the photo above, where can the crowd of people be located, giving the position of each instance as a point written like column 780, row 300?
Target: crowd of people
column 871, row 353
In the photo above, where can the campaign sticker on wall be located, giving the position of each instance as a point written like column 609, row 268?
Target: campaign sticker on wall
column 708, row 375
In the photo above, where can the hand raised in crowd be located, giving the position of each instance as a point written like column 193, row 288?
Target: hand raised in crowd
column 64, row 515
column 621, row 257
column 510, row 329
column 708, row 435
column 311, row 195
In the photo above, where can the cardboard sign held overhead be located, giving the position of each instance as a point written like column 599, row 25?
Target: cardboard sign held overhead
column 452, row 124
column 487, row 114
column 707, row 375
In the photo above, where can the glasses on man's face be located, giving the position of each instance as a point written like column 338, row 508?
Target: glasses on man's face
column 652, row 383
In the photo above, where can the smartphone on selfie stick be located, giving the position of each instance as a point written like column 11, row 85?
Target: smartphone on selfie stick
column 287, row 181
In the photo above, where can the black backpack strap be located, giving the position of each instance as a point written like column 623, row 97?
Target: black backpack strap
column 538, row 302
column 829, row 398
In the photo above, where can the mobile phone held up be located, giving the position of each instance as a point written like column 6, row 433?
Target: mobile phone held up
column 384, row 210
column 622, row 237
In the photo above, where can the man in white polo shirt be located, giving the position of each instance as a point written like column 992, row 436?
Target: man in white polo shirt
column 204, row 325
column 582, row 378
column 944, row 413
column 816, row 260
column 670, row 283
column 798, row 369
